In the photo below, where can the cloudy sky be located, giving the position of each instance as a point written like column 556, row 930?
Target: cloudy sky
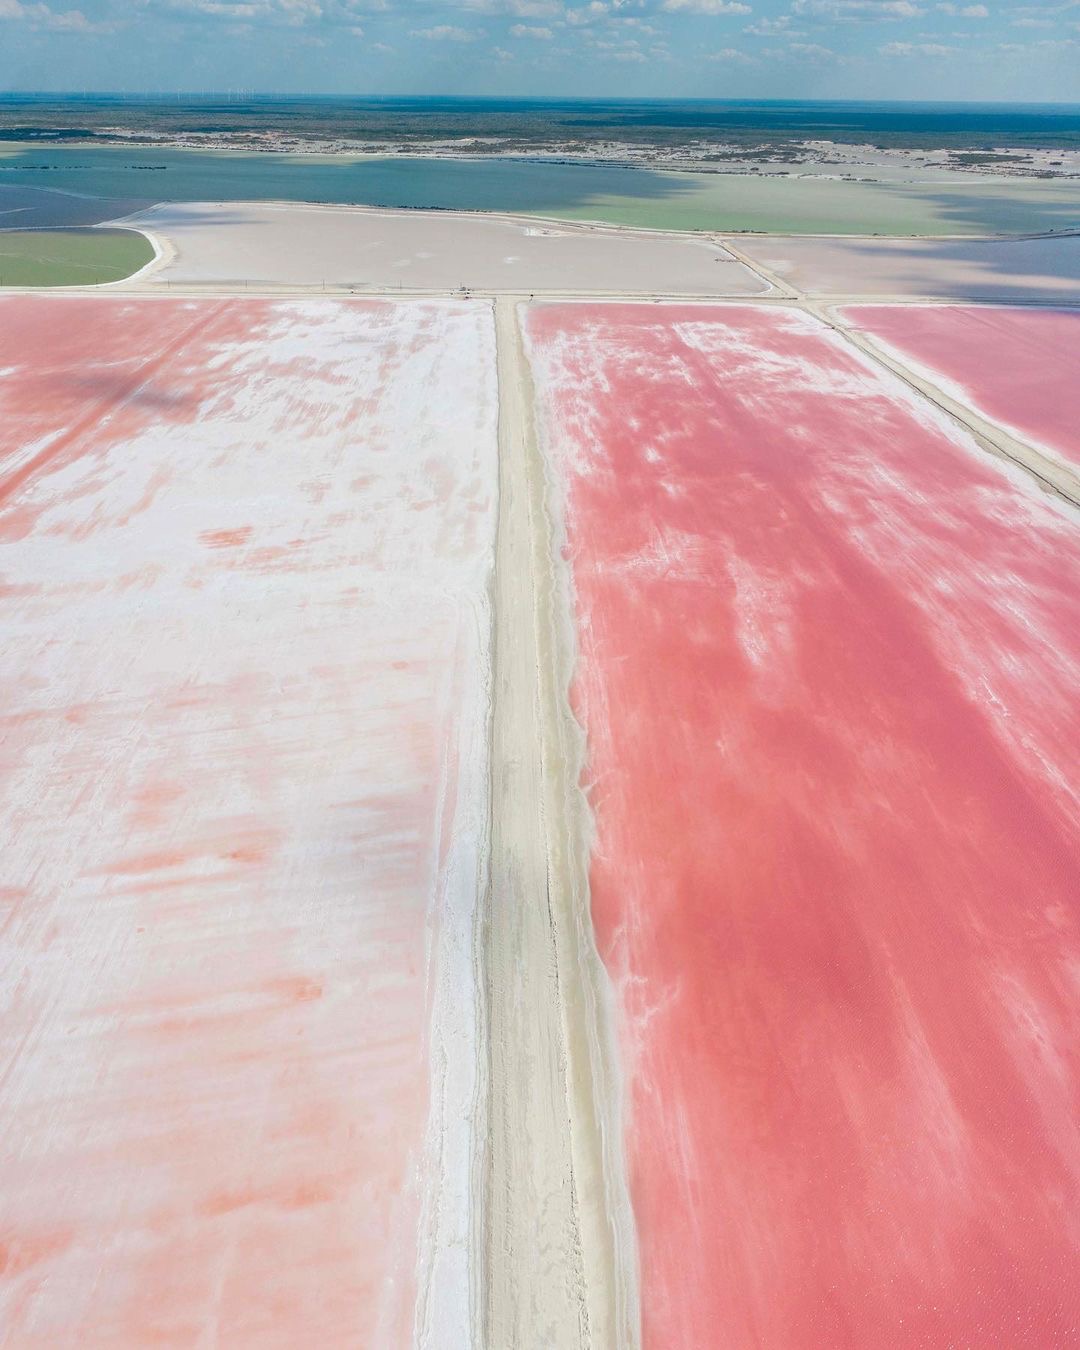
column 931, row 49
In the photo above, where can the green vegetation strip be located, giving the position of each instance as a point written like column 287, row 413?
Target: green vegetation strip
column 70, row 257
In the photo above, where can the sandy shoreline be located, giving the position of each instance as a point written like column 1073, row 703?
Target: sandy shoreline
column 799, row 156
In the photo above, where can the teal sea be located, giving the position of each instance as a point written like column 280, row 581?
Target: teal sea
column 521, row 123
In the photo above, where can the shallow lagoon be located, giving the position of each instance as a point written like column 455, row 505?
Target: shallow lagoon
column 71, row 257
column 566, row 190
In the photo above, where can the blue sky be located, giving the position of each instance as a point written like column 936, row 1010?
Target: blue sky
column 904, row 49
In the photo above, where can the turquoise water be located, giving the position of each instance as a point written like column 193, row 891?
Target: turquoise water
column 197, row 175
column 576, row 191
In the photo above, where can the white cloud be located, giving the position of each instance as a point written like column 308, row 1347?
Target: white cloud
column 518, row 9
column 965, row 11
column 812, row 51
column 1042, row 16
column 732, row 55
column 858, row 10
column 1053, row 44
column 629, row 56
column 41, row 16
column 707, row 7
column 291, row 13
column 916, row 49
column 443, row 32
column 1061, row 8
column 780, row 27
column 526, row 30
column 74, row 21
column 586, row 14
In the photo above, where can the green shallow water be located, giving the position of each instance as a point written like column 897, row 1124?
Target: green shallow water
column 70, row 257
column 623, row 196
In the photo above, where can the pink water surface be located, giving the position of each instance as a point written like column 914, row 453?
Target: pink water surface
column 829, row 667
column 229, row 773
column 1020, row 367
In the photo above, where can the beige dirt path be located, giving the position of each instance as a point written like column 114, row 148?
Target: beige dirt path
column 559, row 1250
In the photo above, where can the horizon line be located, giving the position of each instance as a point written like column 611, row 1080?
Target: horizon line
column 252, row 94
